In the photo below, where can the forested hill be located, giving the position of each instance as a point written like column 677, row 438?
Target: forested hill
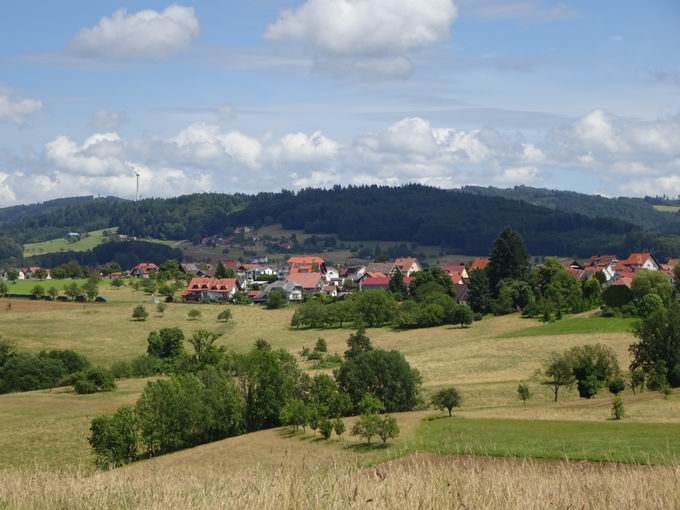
column 464, row 221
column 638, row 211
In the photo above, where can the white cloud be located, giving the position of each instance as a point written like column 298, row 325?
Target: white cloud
column 7, row 194
column 141, row 35
column 99, row 155
column 202, row 142
column 366, row 36
column 303, row 148
column 17, row 109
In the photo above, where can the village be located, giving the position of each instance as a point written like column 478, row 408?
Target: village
column 301, row 277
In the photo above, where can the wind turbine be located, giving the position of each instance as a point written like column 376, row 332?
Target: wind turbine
column 137, row 174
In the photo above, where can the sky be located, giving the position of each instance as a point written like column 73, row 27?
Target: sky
column 263, row 95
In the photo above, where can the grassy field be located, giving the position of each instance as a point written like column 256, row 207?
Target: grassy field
column 667, row 208
column 92, row 240
column 655, row 443
column 486, row 361
column 25, row 286
column 576, row 325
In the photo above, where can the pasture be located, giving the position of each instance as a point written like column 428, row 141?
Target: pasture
column 486, row 361
column 87, row 242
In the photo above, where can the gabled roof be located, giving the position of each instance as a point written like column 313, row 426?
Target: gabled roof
column 305, row 260
column 305, row 280
column 405, row 263
column 146, row 267
column 601, row 260
column 479, row 263
column 456, row 277
column 379, row 267
column 637, row 259
column 218, row 285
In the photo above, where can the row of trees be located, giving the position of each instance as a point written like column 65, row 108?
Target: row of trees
column 26, row 371
column 213, row 393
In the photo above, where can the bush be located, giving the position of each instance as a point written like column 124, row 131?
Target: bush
column 84, row 387
column 386, row 375
column 276, row 299
column 225, row 315
column 326, row 428
column 121, row 370
column 523, row 392
column 194, row 314
column 617, row 409
column 140, row 313
column 165, row 343
column 339, row 426
column 115, row 439
column 477, row 316
column 617, row 385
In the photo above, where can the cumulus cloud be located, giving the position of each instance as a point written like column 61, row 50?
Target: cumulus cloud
column 146, row 34
column 7, row 194
column 99, row 155
column 365, row 36
column 16, row 109
column 303, row 148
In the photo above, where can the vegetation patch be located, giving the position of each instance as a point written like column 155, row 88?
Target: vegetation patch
column 575, row 326
column 614, row 441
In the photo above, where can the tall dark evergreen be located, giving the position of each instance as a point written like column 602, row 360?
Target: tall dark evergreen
column 397, row 285
column 509, row 258
column 479, row 292
column 220, row 271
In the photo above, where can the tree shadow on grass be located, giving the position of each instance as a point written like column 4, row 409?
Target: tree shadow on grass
column 365, row 447
column 440, row 417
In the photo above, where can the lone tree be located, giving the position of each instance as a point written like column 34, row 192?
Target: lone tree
column 140, row 313
column 447, row 399
column 166, row 343
column 523, row 392
column 388, row 428
column 509, row 259
column 38, row 291
column 225, row 315
column 593, row 366
column 558, row 372
column 160, row 308
column 358, row 343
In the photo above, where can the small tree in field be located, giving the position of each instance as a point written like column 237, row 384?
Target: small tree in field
column 339, row 426
column 367, row 427
column 616, row 385
column 160, row 308
column 225, row 315
column 617, row 409
column 523, row 392
column 194, row 314
column 388, row 428
column 447, row 399
column 140, row 313
column 53, row 292
column 38, row 291
column 3, row 289
column 558, row 372
column 117, row 283
column 326, row 428
column 636, row 379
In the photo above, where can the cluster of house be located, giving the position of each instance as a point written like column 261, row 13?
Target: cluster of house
column 619, row 272
column 26, row 273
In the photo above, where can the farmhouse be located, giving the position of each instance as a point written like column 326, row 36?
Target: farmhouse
column 292, row 291
column 310, row 283
column 34, row 272
column 604, row 263
column 407, row 266
column 636, row 261
column 210, row 290
column 144, row 269
column 373, row 282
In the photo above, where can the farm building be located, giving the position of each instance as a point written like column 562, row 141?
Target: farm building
column 210, row 290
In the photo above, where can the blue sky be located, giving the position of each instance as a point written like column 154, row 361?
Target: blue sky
column 270, row 94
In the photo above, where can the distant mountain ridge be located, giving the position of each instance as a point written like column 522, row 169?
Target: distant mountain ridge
column 461, row 221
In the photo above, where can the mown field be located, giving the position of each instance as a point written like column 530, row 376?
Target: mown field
column 486, row 361
column 92, row 240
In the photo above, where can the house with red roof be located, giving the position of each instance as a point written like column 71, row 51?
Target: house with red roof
column 604, row 263
column 644, row 260
column 310, row 283
column 210, row 290
column 478, row 263
column 407, row 266
column 144, row 269
column 456, row 270
column 375, row 282
column 307, row 264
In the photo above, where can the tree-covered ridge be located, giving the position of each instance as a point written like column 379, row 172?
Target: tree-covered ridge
column 638, row 211
column 463, row 221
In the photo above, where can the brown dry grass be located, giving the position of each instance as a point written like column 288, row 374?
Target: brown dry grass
column 423, row 482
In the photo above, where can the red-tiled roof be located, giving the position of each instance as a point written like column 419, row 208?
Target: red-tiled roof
column 626, row 281
column 218, row 285
column 456, row 277
column 479, row 263
column 381, row 281
column 146, row 267
column 405, row 263
column 305, row 260
column 637, row 259
column 305, row 280
column 600, row 260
